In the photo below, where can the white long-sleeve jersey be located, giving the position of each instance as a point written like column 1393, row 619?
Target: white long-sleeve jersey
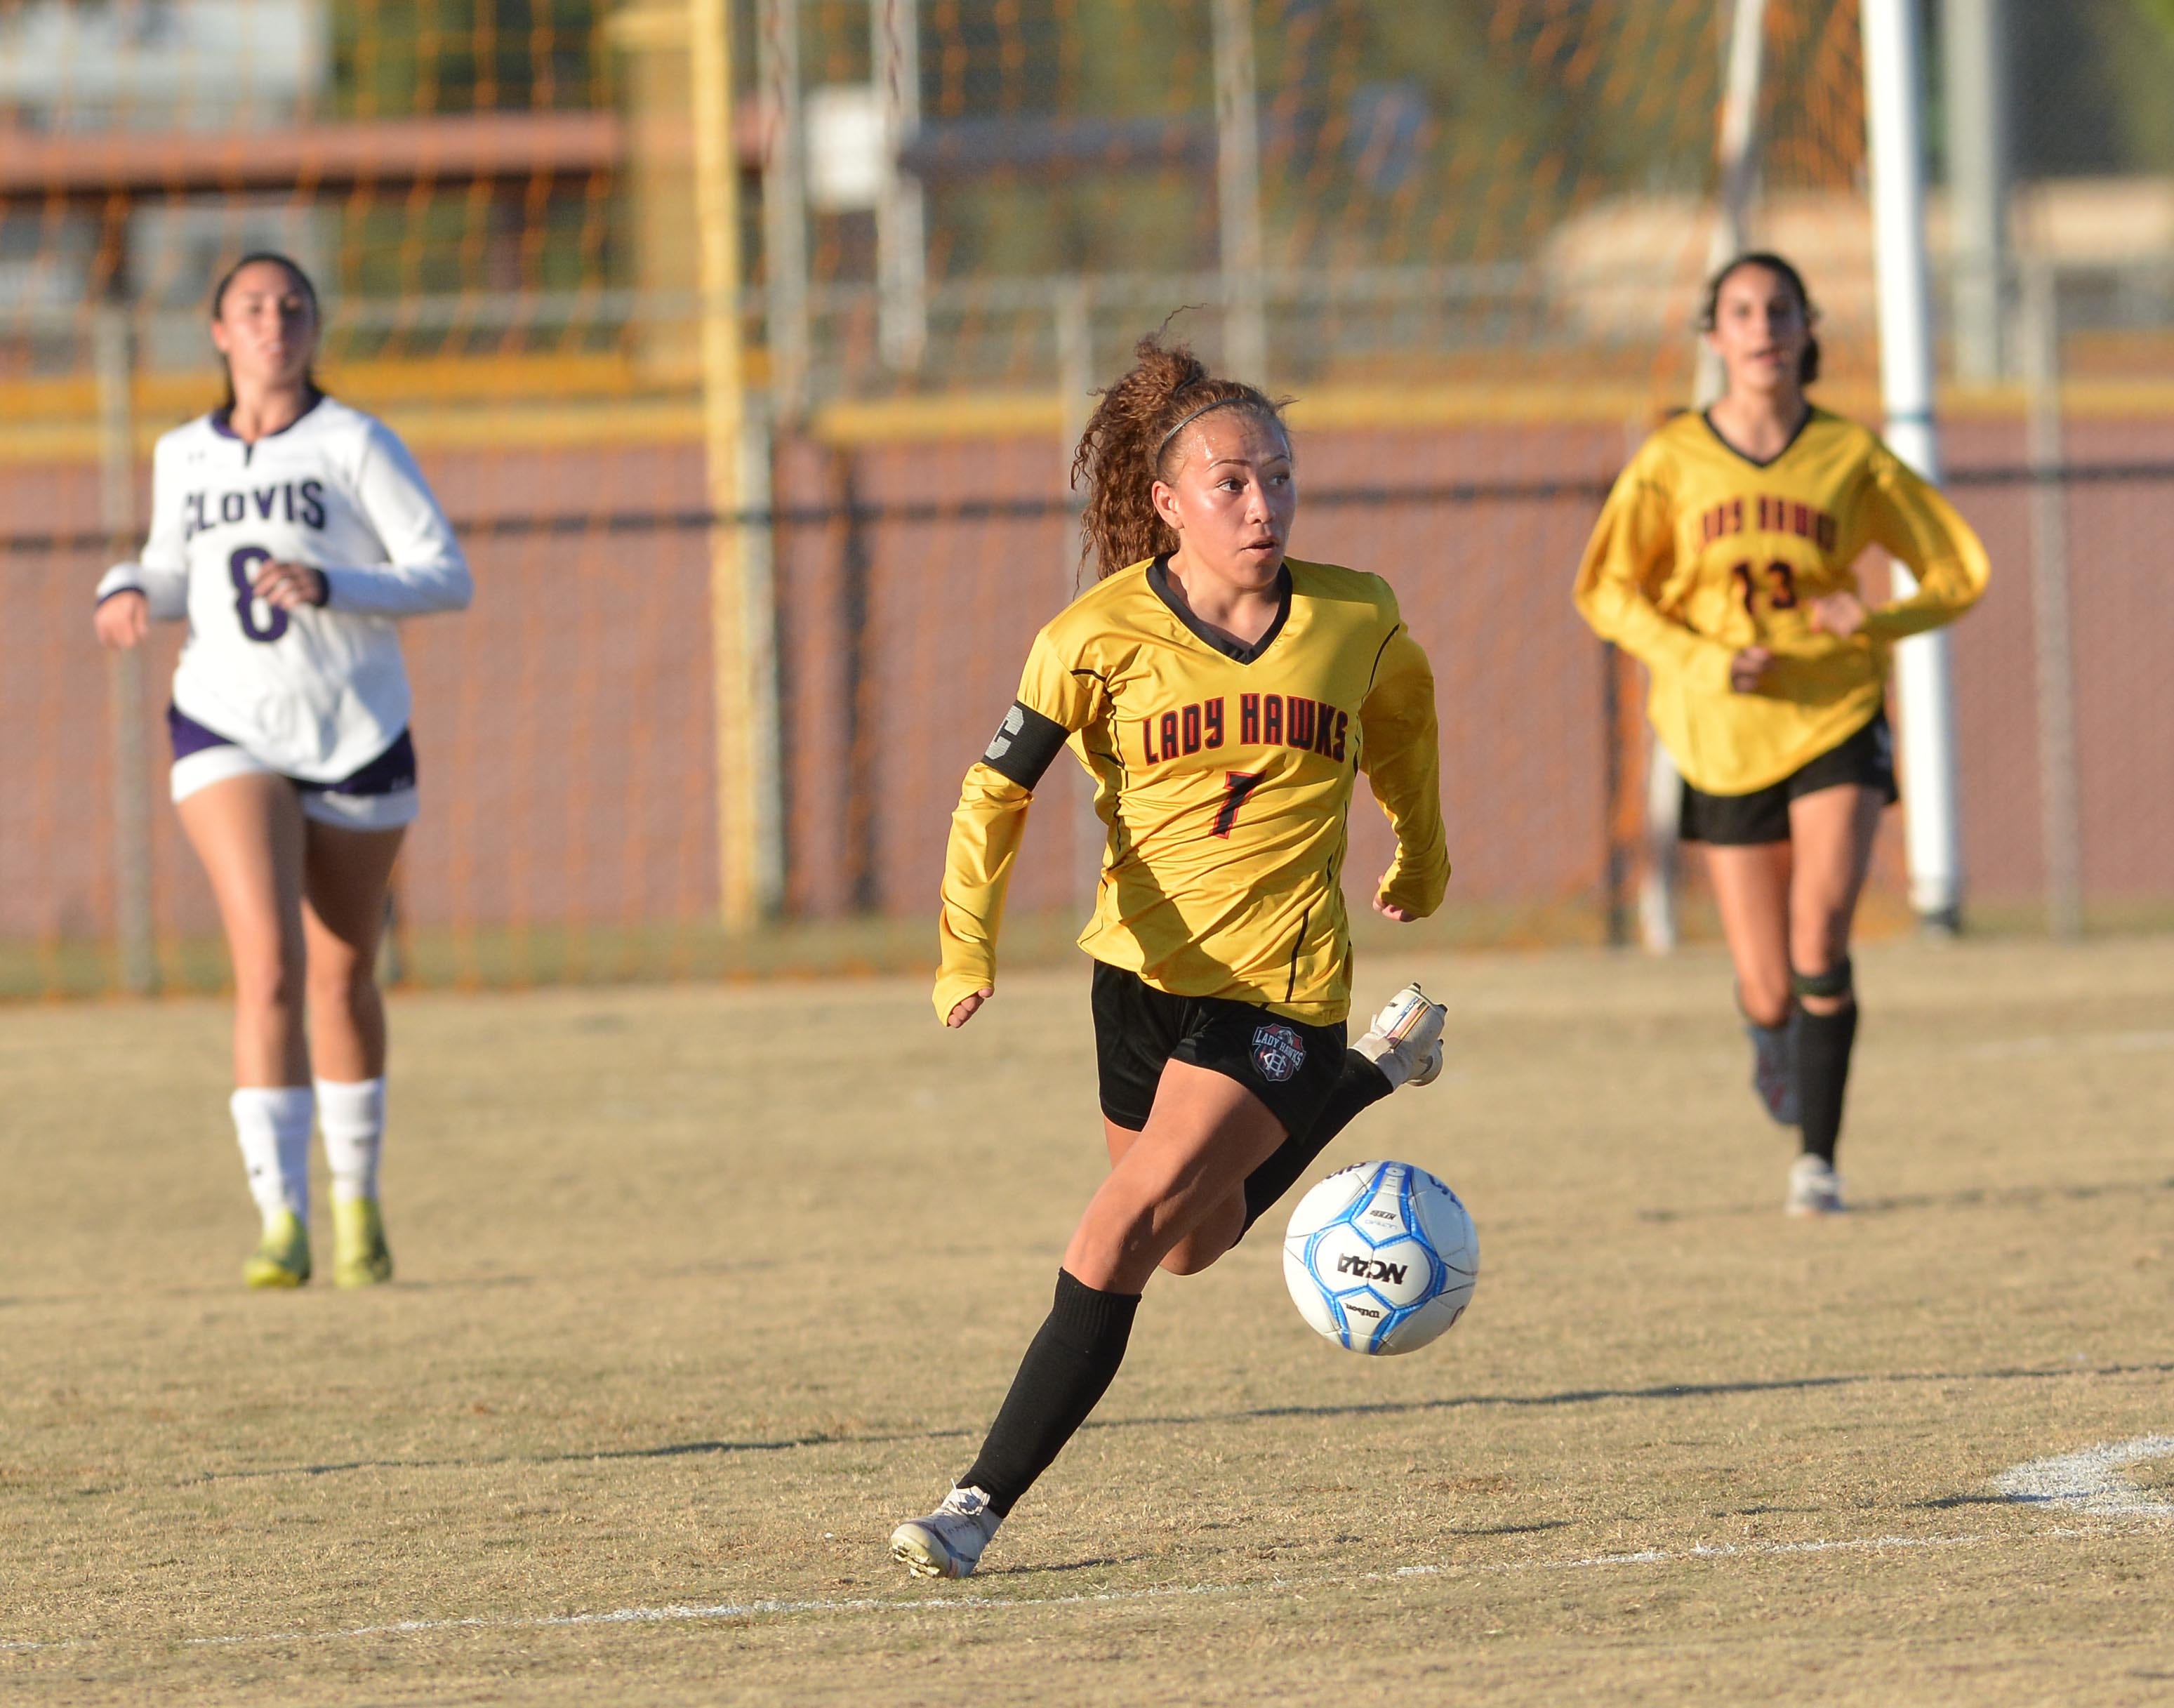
column 316, row 693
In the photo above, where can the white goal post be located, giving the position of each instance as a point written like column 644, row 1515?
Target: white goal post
column 1924, row 665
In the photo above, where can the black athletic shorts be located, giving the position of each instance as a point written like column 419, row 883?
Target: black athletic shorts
column 1289, row 1066
column 1866, row 758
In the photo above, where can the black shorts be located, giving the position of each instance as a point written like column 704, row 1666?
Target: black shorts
column 1289, row 1066
column 1866, row 758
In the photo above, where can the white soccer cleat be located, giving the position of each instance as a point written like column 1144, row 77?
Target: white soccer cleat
column 1814, row 1188
column 1405, row 1040
column 950, row 1541
column 1774, row 1068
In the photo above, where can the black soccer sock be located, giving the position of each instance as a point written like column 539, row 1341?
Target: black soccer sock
column 1068, row 1367
column 1822, row 1046
column 1360, row 1085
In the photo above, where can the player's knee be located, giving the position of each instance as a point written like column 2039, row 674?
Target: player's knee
column 1765, row 1002
column 1196, row 1252
column 268, row 981
column 346, row 981
column 1206, row 1244
column 1115, row 1238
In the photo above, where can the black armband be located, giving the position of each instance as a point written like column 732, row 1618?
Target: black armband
column 1025, row 745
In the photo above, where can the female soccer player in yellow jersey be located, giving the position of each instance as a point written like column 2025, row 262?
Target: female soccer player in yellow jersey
column 1223, row 698
column 1725, row 559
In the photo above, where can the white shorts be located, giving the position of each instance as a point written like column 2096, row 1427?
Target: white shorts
column 363, row 801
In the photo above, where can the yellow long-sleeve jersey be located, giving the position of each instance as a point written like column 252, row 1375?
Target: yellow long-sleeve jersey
column 1702, row 551
column 1224, row 773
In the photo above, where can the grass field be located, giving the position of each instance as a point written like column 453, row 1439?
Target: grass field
column 702, row 1289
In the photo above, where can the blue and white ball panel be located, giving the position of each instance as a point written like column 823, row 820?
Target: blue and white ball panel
column 1380, row 1258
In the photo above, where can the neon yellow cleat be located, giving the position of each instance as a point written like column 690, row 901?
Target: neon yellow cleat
column 360, row 1257
column 282, row 1257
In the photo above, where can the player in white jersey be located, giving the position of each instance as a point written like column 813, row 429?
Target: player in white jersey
column 290, row 531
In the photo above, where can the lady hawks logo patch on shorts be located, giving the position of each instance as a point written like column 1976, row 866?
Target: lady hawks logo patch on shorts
column 1279, row 1053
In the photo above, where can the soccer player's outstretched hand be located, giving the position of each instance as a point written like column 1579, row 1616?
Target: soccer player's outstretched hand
column 1389, row 910
column 1748, row 668
column 121, row 620
column 965, row 1009
column 1839, row 614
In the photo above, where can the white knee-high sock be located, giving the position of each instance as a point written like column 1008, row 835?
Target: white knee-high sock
column 353, row 1117
column 272, row 1124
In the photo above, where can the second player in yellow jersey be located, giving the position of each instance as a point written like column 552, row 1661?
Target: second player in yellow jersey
column 1702, row 552
column 1726, row 560
column 1224, row 773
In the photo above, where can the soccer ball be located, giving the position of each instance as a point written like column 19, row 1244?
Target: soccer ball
column 1381, row 1258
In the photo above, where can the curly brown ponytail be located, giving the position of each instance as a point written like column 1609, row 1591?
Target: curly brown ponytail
column 1132, row 441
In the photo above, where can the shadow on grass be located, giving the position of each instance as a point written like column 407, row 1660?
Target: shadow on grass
column 1574, row 1397
column 1668, row 1391
column 229, row 1292
column 670, row 1450
column 1101, row 1562
column 1966, row 1198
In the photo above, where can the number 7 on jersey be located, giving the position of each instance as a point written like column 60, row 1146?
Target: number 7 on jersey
column 1236, row 787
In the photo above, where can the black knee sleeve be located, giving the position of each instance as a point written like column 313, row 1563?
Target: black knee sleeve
column 1835, row 981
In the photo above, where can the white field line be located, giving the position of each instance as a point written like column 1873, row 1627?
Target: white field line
column 725, row 1612
column 2091, row 1481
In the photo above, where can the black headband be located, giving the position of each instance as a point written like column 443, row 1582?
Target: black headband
column 1185, row 422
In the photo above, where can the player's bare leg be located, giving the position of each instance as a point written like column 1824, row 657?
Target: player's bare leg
column 348, row 871
column 1751, row 890
column 248, row 831
column 1833, row 831
column 1219, row 1230
column 1205, row 1134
